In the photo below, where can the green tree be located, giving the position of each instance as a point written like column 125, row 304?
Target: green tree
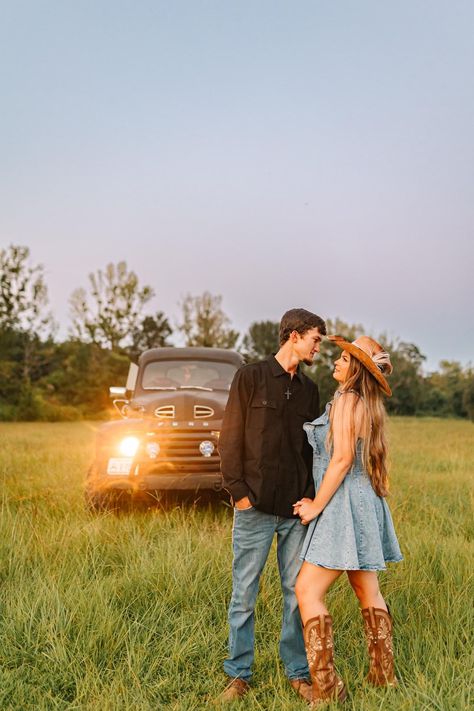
column 110, row 313
column 23, row 293
column 204, row 323
column 454, row 378
column 468, row 394
column 152, row 332
column 407, row 380
column 434, row 400
column 450, row 382
column 26, row 329
column 79, row 379
column 261, row 339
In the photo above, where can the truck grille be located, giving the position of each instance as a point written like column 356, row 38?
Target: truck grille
column 165, row 412
column 202, row 412
column 180, row 453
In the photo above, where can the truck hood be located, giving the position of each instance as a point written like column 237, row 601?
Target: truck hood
column 182, row 405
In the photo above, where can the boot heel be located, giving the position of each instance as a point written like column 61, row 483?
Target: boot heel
column 379, row 633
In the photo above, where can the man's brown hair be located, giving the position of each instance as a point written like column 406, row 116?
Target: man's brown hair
column 299, row 320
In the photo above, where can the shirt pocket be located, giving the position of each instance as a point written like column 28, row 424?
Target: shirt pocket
column 261, row 412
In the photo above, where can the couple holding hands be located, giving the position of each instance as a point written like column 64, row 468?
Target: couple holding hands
column 319, row 483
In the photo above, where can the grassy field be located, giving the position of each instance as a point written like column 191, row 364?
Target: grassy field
column 129, row 612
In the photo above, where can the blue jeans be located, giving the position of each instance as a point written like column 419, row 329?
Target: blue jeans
column 252, row 538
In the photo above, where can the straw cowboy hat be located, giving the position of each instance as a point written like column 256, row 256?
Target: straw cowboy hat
column 371, row 355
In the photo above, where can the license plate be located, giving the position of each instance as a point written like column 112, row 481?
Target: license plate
column 120, row 465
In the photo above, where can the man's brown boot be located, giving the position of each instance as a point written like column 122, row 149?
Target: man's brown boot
column 318, row 639
column 378, row 630
column 302, row 687
column 235, row 689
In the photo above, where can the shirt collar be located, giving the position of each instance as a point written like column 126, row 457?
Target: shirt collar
column 277, row 370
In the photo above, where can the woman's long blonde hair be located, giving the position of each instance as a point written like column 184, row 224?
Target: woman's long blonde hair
column 371, row 427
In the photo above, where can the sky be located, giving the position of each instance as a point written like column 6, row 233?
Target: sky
column 281, row 154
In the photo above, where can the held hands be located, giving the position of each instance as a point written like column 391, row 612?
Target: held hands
column 244, row 503
column 306, row 510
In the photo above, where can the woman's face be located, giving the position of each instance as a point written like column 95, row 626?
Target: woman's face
column 341, row 367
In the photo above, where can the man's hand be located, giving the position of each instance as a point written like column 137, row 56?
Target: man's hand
column 244, row 503
column 306, row 510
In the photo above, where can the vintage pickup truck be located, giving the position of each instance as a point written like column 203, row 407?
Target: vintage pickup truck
column 171, row 409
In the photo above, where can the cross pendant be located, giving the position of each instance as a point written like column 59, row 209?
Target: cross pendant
column 287, row 393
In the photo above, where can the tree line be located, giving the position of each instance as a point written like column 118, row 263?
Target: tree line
column 43, row 377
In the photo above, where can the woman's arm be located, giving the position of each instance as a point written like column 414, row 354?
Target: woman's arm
column 344, row 433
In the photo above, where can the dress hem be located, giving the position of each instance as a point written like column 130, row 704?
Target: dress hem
column 343, row 568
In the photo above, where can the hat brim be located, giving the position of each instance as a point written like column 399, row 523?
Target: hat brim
column 365, row 359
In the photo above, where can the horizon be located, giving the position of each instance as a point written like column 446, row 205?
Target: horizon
column 64, row 331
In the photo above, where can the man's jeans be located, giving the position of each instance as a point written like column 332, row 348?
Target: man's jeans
column 252, row 538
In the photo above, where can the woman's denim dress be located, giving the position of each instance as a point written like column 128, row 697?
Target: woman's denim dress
column 355, row 530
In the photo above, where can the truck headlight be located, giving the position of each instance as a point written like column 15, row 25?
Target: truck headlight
column 128, row 447
column 206, row 448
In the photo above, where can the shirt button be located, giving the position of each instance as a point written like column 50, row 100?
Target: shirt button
column 264, row 402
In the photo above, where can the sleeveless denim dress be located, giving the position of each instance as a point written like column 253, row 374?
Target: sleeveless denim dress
column 355, row 530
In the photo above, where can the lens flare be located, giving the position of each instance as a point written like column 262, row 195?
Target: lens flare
column 128, row 446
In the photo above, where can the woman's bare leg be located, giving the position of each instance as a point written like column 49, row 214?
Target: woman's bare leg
column 366, row 586
column 312, row 584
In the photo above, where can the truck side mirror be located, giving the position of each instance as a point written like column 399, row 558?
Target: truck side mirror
column 117, row 393
column 132, row 378
column 122, row 393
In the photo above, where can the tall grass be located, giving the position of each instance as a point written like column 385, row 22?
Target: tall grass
column 129, row 611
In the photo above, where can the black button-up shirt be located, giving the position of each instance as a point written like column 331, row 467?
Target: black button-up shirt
column 264, row 451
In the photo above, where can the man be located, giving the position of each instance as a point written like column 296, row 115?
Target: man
column 266, row 463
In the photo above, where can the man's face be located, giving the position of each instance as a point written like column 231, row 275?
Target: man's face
column 307, row 345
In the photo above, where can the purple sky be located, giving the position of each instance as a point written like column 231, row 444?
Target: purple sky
column 315, row 154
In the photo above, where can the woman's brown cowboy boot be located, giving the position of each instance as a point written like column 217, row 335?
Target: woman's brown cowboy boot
column 378, row 630
column 318, row 639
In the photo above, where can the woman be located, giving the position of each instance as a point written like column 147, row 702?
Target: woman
column 350, row 526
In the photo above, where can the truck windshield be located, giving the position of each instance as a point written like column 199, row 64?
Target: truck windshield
column 183, row 374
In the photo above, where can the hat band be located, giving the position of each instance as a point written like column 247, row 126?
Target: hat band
column 380, row 359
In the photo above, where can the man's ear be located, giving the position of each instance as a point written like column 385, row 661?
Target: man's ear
column 294, row 336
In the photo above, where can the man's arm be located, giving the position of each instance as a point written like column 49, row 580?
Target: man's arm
column 231, row 440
